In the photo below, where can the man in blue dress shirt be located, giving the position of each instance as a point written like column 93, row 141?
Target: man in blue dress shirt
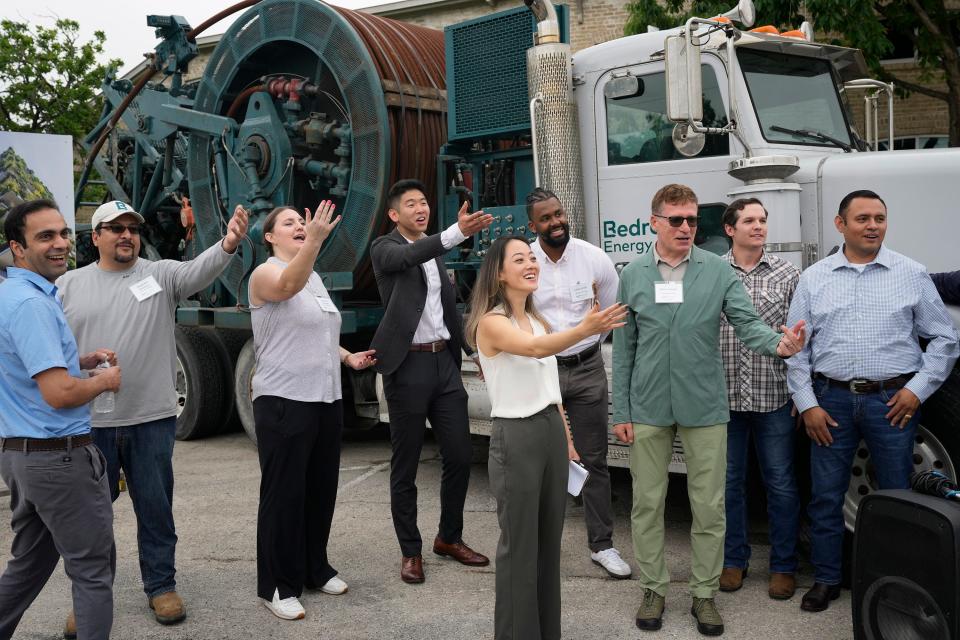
column 56, row 475
column 862, row 374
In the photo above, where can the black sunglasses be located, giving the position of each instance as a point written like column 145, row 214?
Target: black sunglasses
column 117, row 228
column 677, row 221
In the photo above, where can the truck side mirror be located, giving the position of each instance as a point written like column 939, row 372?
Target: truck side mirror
column 623, row 87
column 684, row 81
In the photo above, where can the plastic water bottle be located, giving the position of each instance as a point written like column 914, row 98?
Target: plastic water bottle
column 106, row 401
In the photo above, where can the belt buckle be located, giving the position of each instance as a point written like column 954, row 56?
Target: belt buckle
column 434, row 346
column 853, row 384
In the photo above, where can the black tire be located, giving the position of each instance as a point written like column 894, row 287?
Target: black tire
column 233, row 341
column 243, row 391
column 202, row 392
column 941, row 416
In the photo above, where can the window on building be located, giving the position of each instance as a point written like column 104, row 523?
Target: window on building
column 916, row 142
column 638, row 129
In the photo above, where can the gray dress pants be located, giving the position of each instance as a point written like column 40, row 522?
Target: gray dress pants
column 528, row 476
column 584, row 390
column 61, row 507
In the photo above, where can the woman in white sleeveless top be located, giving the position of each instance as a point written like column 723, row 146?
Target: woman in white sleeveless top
column 530, row 442
column 297, row 410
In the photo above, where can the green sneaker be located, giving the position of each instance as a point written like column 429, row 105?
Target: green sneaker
column 650, row 613
column 709, row 622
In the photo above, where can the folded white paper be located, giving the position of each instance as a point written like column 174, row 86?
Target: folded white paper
column 576, row 478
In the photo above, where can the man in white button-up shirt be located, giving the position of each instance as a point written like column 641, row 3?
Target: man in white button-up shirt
column 418, row 345
column 574, row 273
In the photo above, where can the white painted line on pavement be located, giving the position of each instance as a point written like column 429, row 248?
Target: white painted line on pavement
column 360, row 468
column 362, row 477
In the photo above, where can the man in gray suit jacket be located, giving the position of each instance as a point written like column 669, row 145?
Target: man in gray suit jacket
column 418, row 346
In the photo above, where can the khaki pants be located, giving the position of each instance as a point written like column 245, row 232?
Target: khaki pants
column 705, row 452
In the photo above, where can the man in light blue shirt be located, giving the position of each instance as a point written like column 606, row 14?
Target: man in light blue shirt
column 862, row 374
column 56, row 475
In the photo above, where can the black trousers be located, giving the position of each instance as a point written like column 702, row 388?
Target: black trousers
column 299, row 449
column 427, row 386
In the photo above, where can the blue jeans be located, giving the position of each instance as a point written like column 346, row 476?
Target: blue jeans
column 145, row 452
column 859, row 417
column 773, row 438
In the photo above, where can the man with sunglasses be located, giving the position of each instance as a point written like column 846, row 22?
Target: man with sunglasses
column 668, row 380
column 131, row 302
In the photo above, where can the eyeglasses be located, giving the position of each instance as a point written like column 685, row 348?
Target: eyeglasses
column 117, row 228
column 677, row 221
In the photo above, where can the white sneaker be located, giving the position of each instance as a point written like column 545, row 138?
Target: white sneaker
column 612, row 563
column 334, row 586
column 288, row 608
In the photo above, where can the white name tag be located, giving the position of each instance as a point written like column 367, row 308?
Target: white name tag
column 669, row 292
column 146, row 288
column 581, row 291
column 326, row 304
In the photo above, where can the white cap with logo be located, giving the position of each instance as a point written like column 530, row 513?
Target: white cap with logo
column 110, row 211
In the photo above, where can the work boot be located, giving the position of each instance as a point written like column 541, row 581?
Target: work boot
column 650, row 613
column 731, row 578
column 70, row 627
column 709, row 622
column 782, row 586
column 168, row 608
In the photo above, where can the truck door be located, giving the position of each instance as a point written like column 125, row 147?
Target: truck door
column 636, row 156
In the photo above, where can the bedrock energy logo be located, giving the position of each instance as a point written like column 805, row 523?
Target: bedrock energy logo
column 619, row 237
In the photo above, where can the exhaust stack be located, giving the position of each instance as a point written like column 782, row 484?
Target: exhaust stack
column 553, row 115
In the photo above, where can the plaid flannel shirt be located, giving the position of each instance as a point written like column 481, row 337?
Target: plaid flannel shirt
column 755, row 382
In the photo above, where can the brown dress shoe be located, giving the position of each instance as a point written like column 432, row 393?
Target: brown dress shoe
column 70, row 627
column 168, row 608
column 782, row 586
column 411, row 569
column 731, row 578
column 460, row 552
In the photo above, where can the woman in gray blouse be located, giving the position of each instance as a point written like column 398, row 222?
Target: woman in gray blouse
column 297, row 409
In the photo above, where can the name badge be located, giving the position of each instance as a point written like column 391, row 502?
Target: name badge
column 669, row 292
column 581, row 291
column 326, row 304
column 146, row 288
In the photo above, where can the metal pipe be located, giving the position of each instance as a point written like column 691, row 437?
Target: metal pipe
column 537, row 99
column 548, row 26
column 863, row 83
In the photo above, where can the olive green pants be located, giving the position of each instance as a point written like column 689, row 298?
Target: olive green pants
column 705, row 452
column 528, row 476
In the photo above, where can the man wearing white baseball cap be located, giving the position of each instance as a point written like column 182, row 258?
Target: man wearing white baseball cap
column 133, row 301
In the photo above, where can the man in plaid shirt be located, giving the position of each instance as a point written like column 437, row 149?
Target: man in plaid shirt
column 759, row 405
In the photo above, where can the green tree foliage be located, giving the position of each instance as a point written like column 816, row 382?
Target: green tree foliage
column 49, row 79
column 933, row 28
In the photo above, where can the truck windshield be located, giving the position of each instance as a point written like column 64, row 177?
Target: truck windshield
column 795, row 97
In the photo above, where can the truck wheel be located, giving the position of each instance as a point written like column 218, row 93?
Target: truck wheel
column 243, row 388
column 936, row 446
column 201, row 393
column 233, row 341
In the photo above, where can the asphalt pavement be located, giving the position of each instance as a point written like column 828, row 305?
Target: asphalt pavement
column 216, row 505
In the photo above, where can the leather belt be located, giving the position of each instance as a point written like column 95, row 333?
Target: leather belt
column 577, row 358
column 429, row 347
column 859, row 385
column 45, row 444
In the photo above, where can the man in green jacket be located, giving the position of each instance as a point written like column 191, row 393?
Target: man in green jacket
column 668, row 379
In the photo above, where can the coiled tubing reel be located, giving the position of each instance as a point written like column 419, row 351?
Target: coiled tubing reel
column 332, row 104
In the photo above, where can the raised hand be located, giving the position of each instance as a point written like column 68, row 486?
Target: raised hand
column 597, row 321
column 236, row 229
column 321, row 224
column 471, row 223
column 792, row 340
